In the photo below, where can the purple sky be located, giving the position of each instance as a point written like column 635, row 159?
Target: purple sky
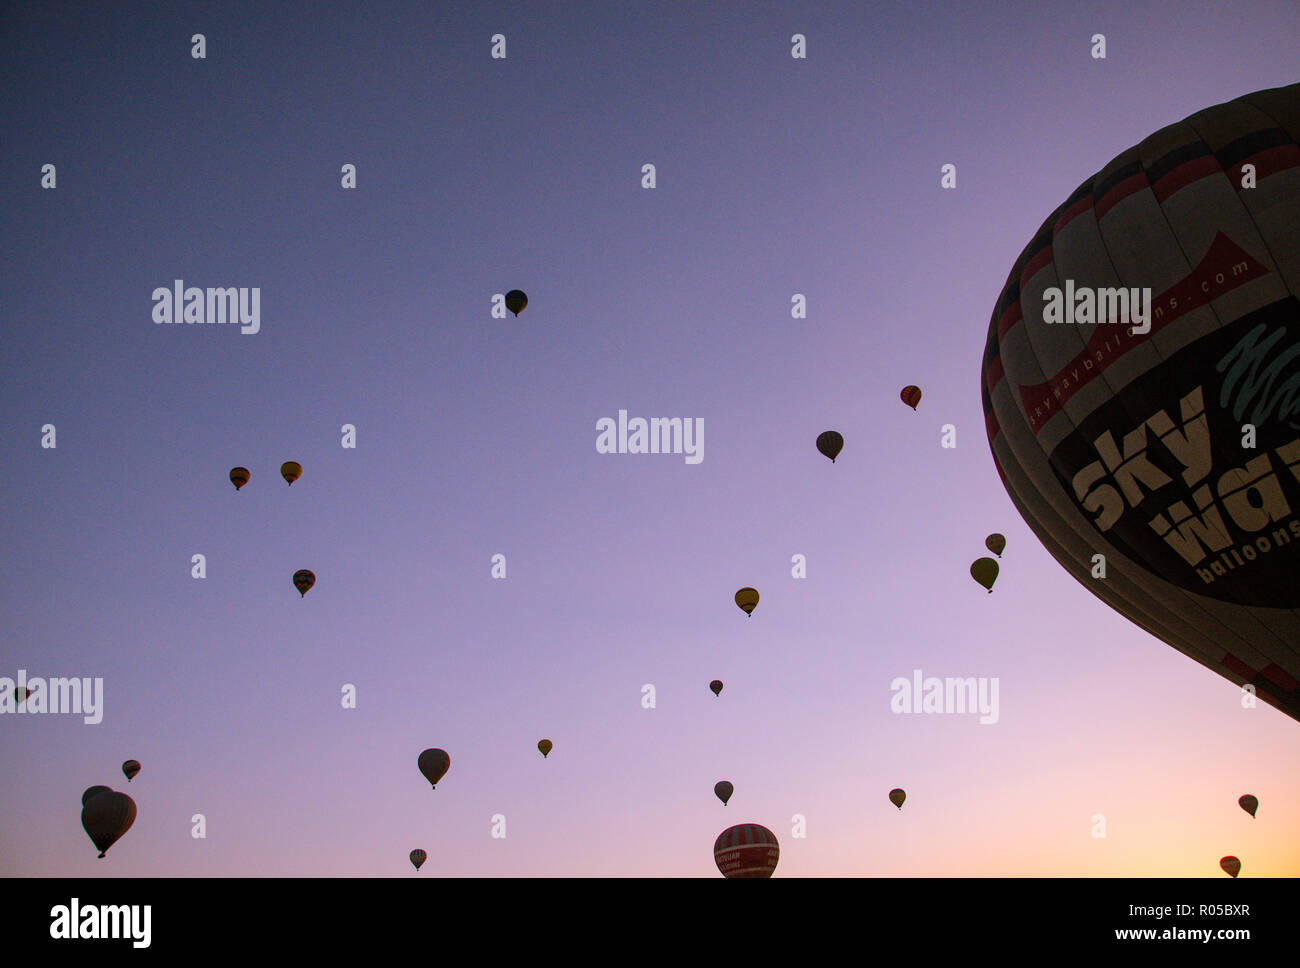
column 475, row 436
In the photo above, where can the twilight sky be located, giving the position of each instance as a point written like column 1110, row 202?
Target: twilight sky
column 476, row 436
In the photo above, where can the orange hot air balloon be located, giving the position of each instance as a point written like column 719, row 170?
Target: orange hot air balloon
column 830, row 444
column 291, row 470
column 896, row 797
column 239, row 477
column 106, row 817
column 545, row 746
column 1249, row 804
column 1231, row 865
column 996, row 543
column 723, row 791
column 746, row 850
column 911, row 396
column 130, row 768
column 418, row 857
column 303, row 580
column 747, row 599
column 716, row 686
column 434, row 764
column 985, row 571
column 516, row 300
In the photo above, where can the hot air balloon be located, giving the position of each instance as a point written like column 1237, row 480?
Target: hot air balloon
column 1249, row 804
column 985, row 571
column 830, row 444
column 91, row 791
column 723, row 791
column 418, row 857
column 1124, row 438
column 716, row 686
column 911, row 396
column 291, row 470
column 303, row 580
column 545, row 746
column 516, row 301
column 21, row 693
column 239, row 477
column 746, row 850
column 1231, row 865
column 896, row 797
column 106, row 817
column 434, row 765
column 747, row 599
column 995, row 543
column 131, row 768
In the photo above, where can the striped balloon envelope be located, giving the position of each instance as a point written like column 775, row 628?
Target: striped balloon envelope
column 1141, row 389
column 746, row 850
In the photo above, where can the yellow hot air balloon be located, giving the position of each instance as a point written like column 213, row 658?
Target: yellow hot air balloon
column 291, row 470
column 1249, row 804
column 516, row 300
column 896, row 797
column 985, row 571
column 303, row 580
column 723, row 791
column 1231, row 865
column 996, row 543
column 239, row 477
column 545, row 746
column 747, row 599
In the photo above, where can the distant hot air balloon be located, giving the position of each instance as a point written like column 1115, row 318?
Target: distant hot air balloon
column 830, row 444
column 985, row 571
column 303, row 580
column 91, row 791
column 291, row 470
column 747, row 599
column 545, row 746
column 516, row 301
column 1231, row 865
column 911, row 396
column 434, row 765
column 995, row 543
column 21, row 693
column 1121, row 435
column 746, row 850
column 723, row 791
column 106, row 817
column 896, row 797
column 131, row 768
column 1249, row 803
column 418, row 857
column 239, row 477
column 716, row 686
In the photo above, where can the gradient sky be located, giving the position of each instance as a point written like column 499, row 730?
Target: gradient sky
column 475, row 436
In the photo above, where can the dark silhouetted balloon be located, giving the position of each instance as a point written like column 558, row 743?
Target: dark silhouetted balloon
column 434, row 765
column 91, row 791
column 747, row 599
column 896, row 797
column 130, row 768
column 911, row 396
column 1231, row 865
column 239, row 477
column 830, row 444
column 291, row 470
column 985, row 571
column 746, row 850
column 106, row 817
column 1249, row 803
column 716, row 686
column 723, row 791
column 1129, row 444
column 418, row 857
column 996, row 543
column 545, row 746
column 21, row 693
column 516, row 301
column 303, row 580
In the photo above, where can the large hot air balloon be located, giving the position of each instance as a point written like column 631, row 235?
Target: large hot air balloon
column 303, row 580
column 911, row 396
column 91, row 791
column 716, row 686
column 130, row 768
column 239, row 476
column 830, row 444
column 996, row 543
column 291, row 470
column 434, row 765
column 418, row 857
column 1124, row 438
column 896, row 797
column 985, row 571
column 516, row 300
column 747, row 599
column 1231, row 865
column 545, row 746
column 107, row 816
column 723, row 791
column 1249, row 803
column 746, row 850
